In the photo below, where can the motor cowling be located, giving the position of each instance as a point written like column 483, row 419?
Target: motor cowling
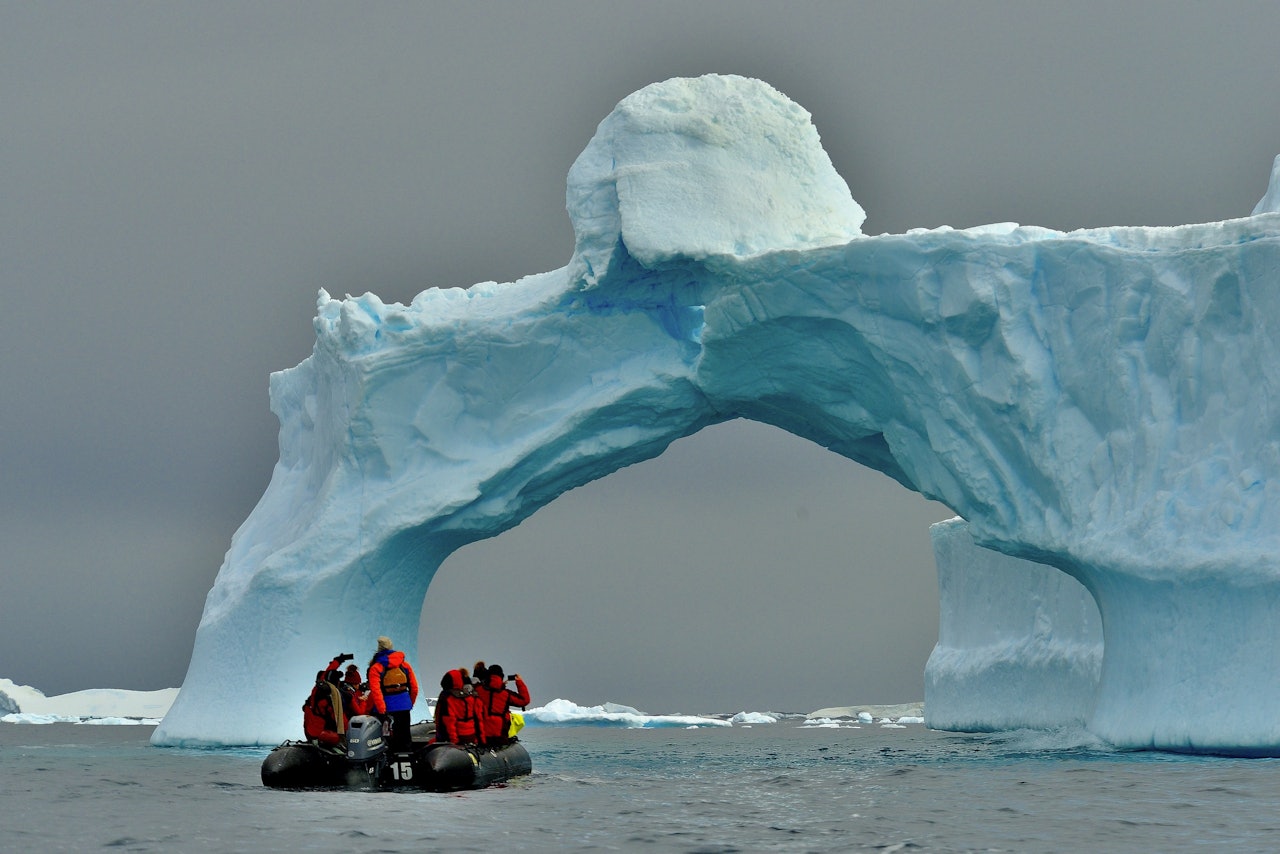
column 365, row 739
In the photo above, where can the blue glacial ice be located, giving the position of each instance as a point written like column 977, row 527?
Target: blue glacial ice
column 1019, row 643
column 1099, row 401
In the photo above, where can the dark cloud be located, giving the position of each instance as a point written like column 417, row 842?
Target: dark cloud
column 180, row 180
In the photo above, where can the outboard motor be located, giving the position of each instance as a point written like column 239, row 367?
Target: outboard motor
column 365, row 741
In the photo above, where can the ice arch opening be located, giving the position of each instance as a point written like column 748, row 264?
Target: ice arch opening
column 1102, row 401
column 659, row 587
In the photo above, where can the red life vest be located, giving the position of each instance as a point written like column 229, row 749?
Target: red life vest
column 495, row 701
column 456, row 718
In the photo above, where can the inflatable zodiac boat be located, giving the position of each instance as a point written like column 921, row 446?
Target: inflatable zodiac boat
column 368, row 764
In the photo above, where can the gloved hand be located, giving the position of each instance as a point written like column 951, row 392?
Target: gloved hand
column 346, row 656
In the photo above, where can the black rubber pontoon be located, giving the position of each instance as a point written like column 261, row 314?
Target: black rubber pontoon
column 367, row 764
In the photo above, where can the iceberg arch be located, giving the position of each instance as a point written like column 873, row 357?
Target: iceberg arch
column 1103, row 401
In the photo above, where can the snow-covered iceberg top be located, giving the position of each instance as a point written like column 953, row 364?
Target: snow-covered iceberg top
column 1101, row 401
column 720, row 165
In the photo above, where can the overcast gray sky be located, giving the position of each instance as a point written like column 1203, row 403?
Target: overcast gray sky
column 177, row 181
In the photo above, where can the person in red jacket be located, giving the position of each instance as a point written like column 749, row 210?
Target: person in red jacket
column 357, row 692
column 393, row 689
column 495, row 700
column 325, row 713
column 456, row 719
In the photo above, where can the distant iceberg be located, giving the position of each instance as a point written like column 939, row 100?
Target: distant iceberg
column 565, row 712
column 869, row 713
column 752, row 718
column 24, row 704
column 895, row 716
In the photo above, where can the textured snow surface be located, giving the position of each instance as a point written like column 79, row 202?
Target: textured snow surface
column 1101, row 401
column 719, row 165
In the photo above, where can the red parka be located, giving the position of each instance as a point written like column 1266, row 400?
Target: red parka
column 456, row 718
column 495, row 701
column 324, row 718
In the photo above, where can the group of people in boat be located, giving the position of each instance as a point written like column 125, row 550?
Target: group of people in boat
column 472, row 708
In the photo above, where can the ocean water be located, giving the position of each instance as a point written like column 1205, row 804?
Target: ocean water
column 771, row 787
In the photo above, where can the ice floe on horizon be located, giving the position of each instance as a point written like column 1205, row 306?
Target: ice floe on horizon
column 22, row 704
column 111, row 720
column 561, row 712
column 26, row 705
